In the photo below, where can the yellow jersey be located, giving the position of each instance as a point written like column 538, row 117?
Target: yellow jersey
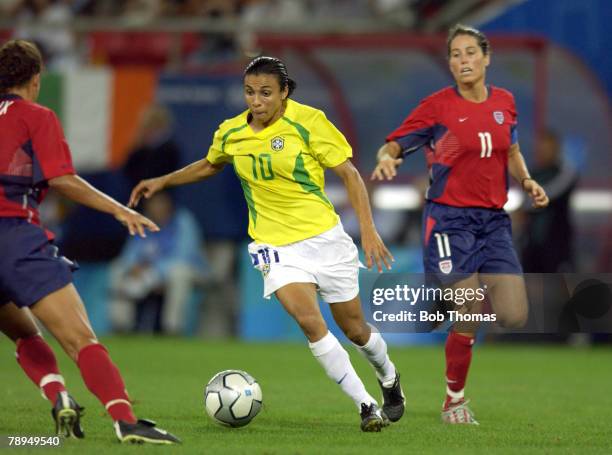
column 281, row 169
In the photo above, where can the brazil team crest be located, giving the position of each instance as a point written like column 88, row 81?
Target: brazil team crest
column 499, row 117
column 277, row 143
column 446, row 266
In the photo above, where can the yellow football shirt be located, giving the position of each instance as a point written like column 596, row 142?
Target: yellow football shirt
column 281, row 169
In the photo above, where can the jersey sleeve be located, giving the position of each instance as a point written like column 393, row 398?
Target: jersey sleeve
column 417, row 129
column 327, row 144
column 53, row 158
column 513, row 122
column 216, row 154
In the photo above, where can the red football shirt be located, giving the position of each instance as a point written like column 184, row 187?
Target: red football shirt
column 33, row 150
column 466, row 144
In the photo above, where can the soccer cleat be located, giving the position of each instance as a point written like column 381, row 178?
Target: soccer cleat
column 393, row 399
column 458, row 413
column 67, row 417
column 143, row 431
column 371, row 418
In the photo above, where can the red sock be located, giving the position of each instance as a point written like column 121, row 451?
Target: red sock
column 103, row 379
column 38, row 361
column 458, row 358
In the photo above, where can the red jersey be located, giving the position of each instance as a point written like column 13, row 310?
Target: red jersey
column 33, row 150
column 466, row 143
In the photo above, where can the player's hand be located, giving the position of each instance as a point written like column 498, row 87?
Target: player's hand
column 386, row 168
column 536, row 192
column 135, row 222
column 375, row 250
column 146, row 188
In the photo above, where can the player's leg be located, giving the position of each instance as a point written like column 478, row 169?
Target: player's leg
column 501, row 271
column 33, row 354
column 300, row 301
column 508, row 297
column 349, row 317
column 449, row 250
column 458, row 354
column 63, row 314
column 38, row 361
column 337, row 276
column 29, row 269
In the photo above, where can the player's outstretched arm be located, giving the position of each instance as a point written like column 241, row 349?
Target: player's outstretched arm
column 388, row 159
column 78, row 190
column 518, row 170
column 373, row 246
column 191, row 173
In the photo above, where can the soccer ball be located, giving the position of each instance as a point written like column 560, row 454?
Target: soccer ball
column 233, row 398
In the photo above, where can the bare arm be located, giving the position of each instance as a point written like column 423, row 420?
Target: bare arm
column 194, row 172
column 78, row 190
column 388, row 159
column 519, row 172
column 371, row 242
column 516, row 164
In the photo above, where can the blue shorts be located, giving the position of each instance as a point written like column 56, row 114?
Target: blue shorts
column 30, row 267
column 460, row 241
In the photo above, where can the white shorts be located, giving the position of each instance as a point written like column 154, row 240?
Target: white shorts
column 330, row 260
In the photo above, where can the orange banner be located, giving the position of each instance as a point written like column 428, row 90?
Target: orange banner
column 133, row 90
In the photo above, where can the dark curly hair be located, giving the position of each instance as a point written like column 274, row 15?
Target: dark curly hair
column 272, row 65
column 461, row 29
column 19, row 61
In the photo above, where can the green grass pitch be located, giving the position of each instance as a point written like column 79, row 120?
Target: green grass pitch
column 528, row 399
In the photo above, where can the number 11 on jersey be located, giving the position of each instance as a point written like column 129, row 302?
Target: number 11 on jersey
column 485, row 144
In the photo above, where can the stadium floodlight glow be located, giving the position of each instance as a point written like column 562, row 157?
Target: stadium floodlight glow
column 397, row 197
column 516, row 199
column 408, row 197
column 592, row 201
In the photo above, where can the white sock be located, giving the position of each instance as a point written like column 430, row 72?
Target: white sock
column 335, row 360
column 375, row 350
column 455, row 397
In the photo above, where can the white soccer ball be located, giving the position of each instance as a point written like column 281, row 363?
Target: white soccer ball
column 233, row 398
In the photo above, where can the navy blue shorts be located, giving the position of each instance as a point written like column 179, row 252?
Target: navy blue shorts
column 30, row 267
column 460, row 241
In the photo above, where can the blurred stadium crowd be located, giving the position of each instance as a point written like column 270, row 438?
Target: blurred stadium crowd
column 51, row 24
column 246, row 10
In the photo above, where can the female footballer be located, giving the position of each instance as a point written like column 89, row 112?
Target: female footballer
column 34, row 156
column 469, row 134
column 280, row 149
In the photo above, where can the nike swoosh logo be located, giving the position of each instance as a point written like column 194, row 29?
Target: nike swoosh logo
column 342, row 379
column 462, row 119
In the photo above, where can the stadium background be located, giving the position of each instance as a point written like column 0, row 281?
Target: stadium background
column 366, row 64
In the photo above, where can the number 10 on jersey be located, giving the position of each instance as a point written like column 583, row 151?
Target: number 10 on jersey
column 485, row 144
column 265, row 166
